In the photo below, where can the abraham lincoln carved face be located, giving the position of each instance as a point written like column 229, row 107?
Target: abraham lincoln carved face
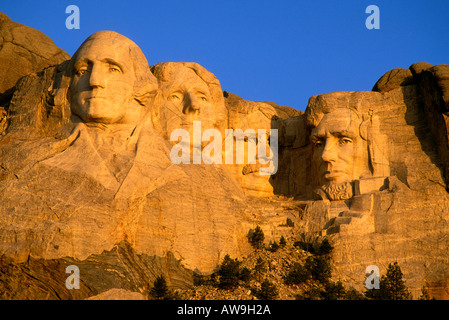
column 339, row 143
column 340, row 154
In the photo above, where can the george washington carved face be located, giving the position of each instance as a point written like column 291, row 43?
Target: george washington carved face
column 106, row 72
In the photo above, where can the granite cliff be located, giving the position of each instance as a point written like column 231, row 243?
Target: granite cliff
column 87, row 176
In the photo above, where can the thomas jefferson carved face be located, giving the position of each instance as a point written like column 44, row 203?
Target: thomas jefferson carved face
column 187, row 93
column 340, row 154
column 103, row 80
column 187, row 99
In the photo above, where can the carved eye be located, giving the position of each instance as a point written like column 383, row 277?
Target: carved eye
column 174, row 97
column 345, row 140
column 317, row 143
column 81, row 71
column 203, row 98
column 114, row 69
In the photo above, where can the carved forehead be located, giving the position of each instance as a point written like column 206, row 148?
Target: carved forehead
column 323, row 104
column 167, row 72
column 185, row 78
column 105, row 50
column 341, row 121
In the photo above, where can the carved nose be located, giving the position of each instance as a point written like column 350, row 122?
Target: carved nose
column 96, row 79
column 330, row 152
column 191, row 104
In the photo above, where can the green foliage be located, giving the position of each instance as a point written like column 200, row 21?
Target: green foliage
column 425, row 294
column 332, row 291
column 306, row 246
column 160, row 289
column 260, row 267
column 322, row 248
column 319, row 268
column 273, row 247
column 229, row 273
column 325, row 247
column 392, row 287
column 297, row 274
column 316, row 267
column 245, row 274
column 282, row 242
column 268, row 291
column 256, row 238
column 353, row 294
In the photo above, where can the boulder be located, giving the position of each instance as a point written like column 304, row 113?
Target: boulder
column 24, row 50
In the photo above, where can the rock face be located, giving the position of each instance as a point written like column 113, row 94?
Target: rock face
column 88, row 176
column 396, row 208
column 128, row 198
column 24, row 50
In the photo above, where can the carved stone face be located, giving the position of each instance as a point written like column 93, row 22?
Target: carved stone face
column 103, row 81
column 339, row 153
column 187, row 99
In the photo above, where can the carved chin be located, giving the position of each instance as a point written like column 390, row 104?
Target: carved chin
column 334, row 192
column 100, row 110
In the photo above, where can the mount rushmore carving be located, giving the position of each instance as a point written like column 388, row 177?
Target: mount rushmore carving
column 86, row 175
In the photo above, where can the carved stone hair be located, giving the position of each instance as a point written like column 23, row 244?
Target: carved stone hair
column 322, row 104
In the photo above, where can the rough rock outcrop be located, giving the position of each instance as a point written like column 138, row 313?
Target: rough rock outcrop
column 397, row 212
column 24, row 50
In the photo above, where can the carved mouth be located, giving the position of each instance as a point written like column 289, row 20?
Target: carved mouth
column 90, row 98
column 332, row 175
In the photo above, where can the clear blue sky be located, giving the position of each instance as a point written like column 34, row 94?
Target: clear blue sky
column 282, row 51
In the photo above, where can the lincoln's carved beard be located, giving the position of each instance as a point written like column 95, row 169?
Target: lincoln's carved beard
column 333, row 192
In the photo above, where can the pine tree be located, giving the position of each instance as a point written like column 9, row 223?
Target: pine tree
column 268, row 291
column 245, row 274
column 229, row 273
column 160, row 289
column 297, row 274
column 282, row 242
column 260, row 267
column 424, row 294
column 274, row 247
column 257, row 238
column 319, row 267
column 325, row 247
column 392, row 287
